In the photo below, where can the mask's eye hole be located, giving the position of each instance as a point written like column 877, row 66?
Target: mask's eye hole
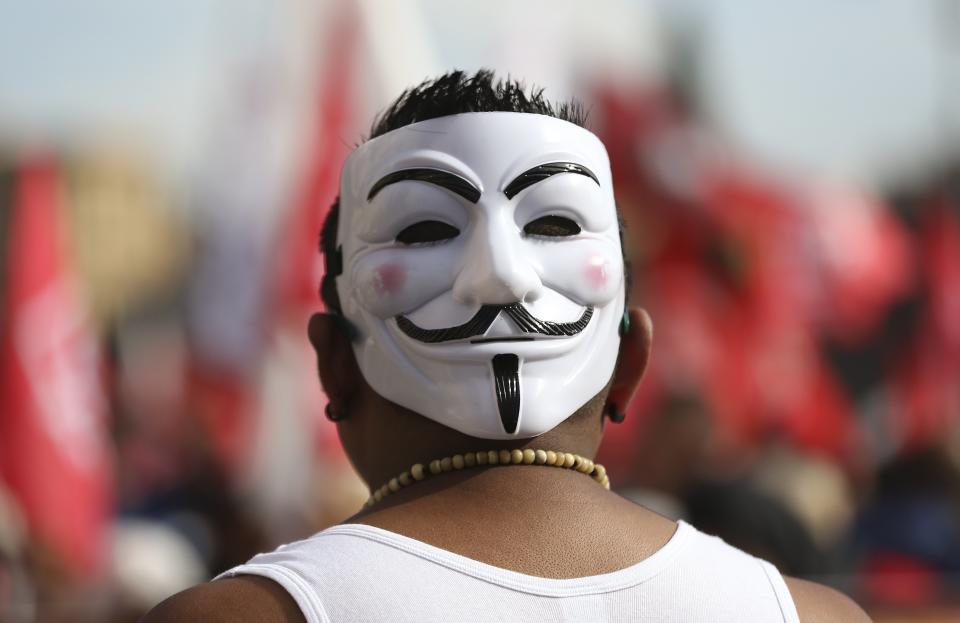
column 552, row 226
column 427, row 231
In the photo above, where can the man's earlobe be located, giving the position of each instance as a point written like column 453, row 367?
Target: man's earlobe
column 611, row 412
column 336, row 414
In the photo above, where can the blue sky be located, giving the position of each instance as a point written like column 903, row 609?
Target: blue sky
column 848, row 87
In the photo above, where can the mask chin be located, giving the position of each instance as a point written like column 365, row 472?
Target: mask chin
column 499, row 390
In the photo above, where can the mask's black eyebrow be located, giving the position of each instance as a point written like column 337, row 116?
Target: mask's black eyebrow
column 452, row 182
column 542, row 172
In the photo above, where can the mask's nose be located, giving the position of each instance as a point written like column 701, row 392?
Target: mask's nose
column 496, row 269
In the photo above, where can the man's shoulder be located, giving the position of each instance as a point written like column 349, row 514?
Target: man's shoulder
column 241, row 598
column 817, row 603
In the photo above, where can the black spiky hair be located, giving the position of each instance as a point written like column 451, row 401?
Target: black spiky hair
column 458, row 92
column 451, row 94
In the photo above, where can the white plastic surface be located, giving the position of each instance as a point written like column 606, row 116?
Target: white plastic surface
column 491, row 261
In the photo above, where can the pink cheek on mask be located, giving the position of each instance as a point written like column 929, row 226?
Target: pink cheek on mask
column 389, row 278
column 597, row 273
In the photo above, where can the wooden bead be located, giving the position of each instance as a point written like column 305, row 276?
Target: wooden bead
column 526, row 456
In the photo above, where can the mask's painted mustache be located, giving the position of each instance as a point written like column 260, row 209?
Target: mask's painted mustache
column 482, row 320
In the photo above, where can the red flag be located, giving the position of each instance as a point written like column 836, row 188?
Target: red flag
column 299, row 263
column 53, row 451
column 863, row 257
column 925, row 386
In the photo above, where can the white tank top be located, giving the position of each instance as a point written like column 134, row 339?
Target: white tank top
column 359, row 573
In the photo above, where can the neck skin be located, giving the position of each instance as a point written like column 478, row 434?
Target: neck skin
column 533, row 519
column 514, row 517
column 383, row 439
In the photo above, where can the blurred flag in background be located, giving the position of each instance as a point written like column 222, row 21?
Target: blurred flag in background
column 54, row 451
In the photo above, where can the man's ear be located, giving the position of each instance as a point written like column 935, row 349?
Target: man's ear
column 336, row 364
column 632, row 361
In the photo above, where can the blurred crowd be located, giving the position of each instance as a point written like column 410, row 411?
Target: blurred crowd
column 160, row 418
column 804, row 394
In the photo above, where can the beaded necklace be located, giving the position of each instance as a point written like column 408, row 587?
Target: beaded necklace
column 564, row 460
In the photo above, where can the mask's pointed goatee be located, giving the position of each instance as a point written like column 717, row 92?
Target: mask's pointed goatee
column 506, row 378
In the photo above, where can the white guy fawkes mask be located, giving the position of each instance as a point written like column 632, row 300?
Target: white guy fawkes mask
column 481, row 264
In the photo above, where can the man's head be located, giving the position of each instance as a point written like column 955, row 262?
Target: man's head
column 477, row 254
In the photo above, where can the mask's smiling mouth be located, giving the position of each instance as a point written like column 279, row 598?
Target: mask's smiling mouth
column 484, row 318
column 488, row 340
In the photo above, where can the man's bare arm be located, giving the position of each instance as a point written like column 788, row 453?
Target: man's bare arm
column 817, row 603
column 241, row 599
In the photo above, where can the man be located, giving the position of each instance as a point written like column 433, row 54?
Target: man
column 476, row 343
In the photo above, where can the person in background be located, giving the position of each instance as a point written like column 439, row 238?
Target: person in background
column 478, row 339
